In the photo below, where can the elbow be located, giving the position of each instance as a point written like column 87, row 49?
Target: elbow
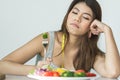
column 113, row 74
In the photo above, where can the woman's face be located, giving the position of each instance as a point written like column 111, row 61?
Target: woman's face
column 79, row 19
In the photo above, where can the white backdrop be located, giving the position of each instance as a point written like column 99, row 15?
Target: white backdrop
column 22, row 20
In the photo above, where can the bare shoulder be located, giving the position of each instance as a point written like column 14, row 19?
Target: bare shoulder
column 58, row 36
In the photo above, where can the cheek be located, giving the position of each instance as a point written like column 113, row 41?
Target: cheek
column 68, row 19
column 86, row 24
column 86, row 27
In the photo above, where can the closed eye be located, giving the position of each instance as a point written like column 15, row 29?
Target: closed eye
column 86, row 18
column 74, row 12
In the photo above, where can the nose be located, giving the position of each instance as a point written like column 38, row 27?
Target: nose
column 78, row 18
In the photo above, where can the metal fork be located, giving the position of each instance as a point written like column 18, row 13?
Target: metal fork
column 45, row 43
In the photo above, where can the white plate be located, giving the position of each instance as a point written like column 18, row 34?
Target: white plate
column 59, row 78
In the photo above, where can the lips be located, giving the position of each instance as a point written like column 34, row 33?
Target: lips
column 74, row 24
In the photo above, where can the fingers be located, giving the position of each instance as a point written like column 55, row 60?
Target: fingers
column 95, row 31
column 49, row 59
column 96, row 27
column 42, row 63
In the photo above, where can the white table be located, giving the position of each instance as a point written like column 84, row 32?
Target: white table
column 14, row 77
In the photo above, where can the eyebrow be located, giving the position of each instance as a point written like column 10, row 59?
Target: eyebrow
column 84, row 13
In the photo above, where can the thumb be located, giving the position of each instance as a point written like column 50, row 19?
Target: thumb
column 89, row 34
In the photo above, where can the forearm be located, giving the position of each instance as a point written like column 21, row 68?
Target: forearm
column 7, row 67
column 112, row 59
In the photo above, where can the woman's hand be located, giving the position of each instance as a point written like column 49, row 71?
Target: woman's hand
column 98, row 27
column 40, row 64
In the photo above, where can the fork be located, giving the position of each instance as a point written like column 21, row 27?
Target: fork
column 45, row 43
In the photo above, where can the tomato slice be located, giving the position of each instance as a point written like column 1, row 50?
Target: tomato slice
column 51, row 73
column 89, row 74
column 56, row 74
column 80, row 70
column 48, row 73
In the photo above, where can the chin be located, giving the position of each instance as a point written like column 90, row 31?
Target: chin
column 73, row 33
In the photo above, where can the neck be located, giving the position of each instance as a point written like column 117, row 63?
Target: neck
column 74, row 40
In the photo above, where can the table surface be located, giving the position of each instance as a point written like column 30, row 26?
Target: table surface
column 14, row 77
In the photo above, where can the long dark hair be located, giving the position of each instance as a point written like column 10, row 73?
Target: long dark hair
column 88, row 46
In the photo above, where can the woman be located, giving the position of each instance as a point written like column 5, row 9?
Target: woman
column 73, row 47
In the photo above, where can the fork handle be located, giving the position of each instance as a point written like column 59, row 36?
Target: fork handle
column 44, row 54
